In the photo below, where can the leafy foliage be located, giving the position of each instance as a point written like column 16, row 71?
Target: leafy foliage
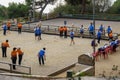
column 115, row 9
column 17, row 10
column 3, row 12
column 39, row 4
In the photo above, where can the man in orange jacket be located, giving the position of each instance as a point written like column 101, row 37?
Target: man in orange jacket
column 14, row 57
column 20, row 54
column 61, row 31
column 19, row 27
column 4, row 46
column 65, row 31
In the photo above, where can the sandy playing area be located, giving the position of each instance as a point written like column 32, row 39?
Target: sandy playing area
column 59, row 52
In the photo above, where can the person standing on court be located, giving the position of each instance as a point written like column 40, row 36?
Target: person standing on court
column 41, row 56
column 19, row 27
column 39, row 33
column 91, row 29
column 14, row 57
column 4, row 46
column 101, row 28
column 65, row 31
column 81, row 31
column 72, row 37
column 61, row 31
column 20, row 55
column 4, row 28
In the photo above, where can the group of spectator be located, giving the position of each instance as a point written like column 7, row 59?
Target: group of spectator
column 107, row 48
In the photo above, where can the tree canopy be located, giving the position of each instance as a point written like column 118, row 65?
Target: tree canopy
column 15, row 10
column 115, row 8
column 3, row 12
column 83, row 3
column 39, row 4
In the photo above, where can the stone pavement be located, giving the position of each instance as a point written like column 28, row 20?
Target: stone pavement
column 59, row 53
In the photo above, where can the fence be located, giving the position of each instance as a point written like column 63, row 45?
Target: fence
column 11, row 70
column 54, row 30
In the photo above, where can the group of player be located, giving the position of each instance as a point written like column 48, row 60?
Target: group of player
column 7, row 25
column 16, row 52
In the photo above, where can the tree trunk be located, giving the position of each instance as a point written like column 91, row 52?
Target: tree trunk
column 42, row 9
column 83, row 6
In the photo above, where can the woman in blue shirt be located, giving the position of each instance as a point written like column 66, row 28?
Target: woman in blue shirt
column 72, row 37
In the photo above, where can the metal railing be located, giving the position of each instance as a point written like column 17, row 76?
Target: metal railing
column 11, row 68
column 54, row 29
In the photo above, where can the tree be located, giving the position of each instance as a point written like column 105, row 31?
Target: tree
column 17, row 10
column 115, row 8
column 102, row 5
column 3, row 12
column 40, row 4
column 79, row 2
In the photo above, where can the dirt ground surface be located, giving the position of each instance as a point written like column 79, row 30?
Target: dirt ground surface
column 59, row 53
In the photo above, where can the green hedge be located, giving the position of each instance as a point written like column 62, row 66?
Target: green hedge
column 112, row 17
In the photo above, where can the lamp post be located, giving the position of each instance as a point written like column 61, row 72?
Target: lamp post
column 94, row 32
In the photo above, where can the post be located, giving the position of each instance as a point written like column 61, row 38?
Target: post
column 29, row 25
column 48, row 27
column 10, row 68
column 33, row 10
column 94, row 32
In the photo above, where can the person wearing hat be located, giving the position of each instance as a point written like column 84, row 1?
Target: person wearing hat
column 4, row 46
